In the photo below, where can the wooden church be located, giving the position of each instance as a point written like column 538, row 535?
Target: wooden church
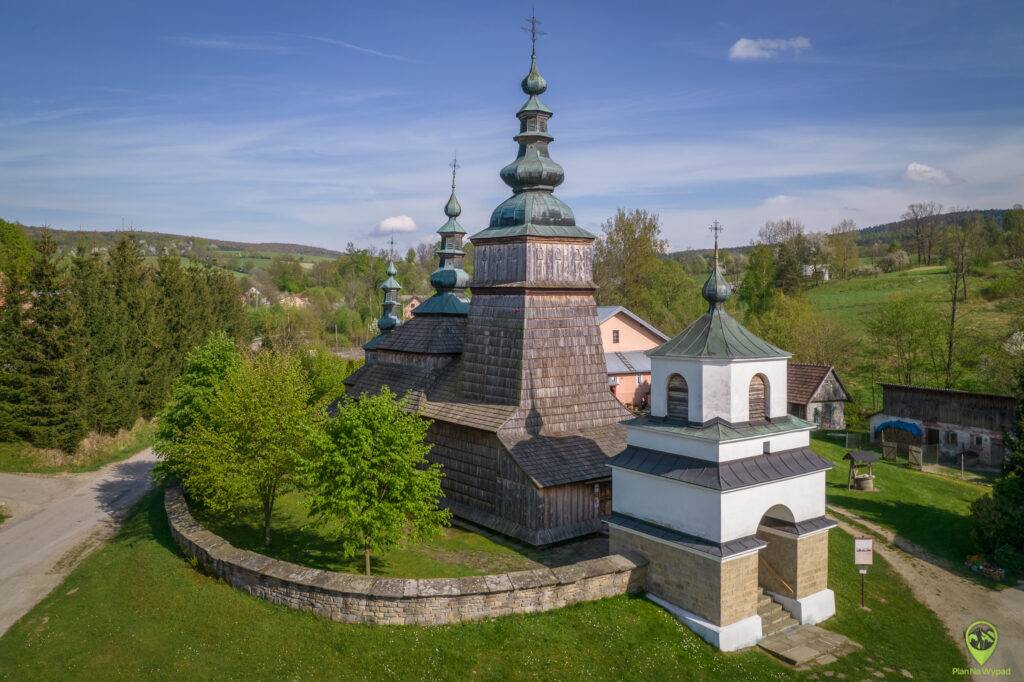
column 515, row 379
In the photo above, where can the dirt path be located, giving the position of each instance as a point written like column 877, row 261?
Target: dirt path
column 955, row 600
column 55, row 522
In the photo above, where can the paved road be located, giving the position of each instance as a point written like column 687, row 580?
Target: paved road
column 55, row 522
column 955, row 600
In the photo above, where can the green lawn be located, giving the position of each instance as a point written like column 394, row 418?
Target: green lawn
column 930, row 510
column 454, row 554
column 23, row 458
column 136, row 610
column 853, row 302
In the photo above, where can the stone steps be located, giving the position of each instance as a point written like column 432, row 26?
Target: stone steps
column 774, row 618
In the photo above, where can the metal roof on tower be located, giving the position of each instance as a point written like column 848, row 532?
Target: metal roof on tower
column 449, row 280
column 532, row 210
column 716, row 333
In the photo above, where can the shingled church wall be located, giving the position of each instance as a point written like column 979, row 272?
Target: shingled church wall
column 396, row 601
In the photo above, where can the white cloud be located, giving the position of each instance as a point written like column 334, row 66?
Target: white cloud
column 767, row 48
column 397, row 223
column 919, row 172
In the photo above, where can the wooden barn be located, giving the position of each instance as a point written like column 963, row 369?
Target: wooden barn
column 950, row 422
column 816, row 394
column 515, row 380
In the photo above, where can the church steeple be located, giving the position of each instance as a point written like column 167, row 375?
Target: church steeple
column 449, row 280
column 533, row 210
column 388, row 319
column 716, row 290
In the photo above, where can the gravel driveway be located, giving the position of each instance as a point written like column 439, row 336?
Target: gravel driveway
column 55, row 522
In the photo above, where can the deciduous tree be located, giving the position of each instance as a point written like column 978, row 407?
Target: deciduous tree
column 370, row 483
column 256, row 429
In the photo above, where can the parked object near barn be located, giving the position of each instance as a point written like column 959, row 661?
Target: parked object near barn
column 626, row 338
column 816, row 394
column 943, row 424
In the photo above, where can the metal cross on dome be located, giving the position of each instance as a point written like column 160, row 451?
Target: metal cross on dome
column 531, row 27
column 716, row 228
column 454, row 166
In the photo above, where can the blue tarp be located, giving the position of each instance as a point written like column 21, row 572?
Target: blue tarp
column 909, row 427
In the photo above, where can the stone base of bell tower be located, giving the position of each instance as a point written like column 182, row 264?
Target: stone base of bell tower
column 794, row 570
column 715, row 597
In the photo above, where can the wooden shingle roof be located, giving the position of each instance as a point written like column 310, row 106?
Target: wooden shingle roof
column 803, row 381
column 571, row 458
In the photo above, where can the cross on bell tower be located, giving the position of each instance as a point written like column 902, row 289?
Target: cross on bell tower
column 716, row 228
column 531, row 27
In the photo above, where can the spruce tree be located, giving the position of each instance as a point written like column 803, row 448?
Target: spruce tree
column 13, row 373
column 52, row 356
column 127, row 273
column 91, row 285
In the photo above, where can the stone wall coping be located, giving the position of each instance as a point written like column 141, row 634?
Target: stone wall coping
column 224, row 556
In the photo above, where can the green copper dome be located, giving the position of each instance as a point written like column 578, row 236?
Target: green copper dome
column 716, row 290
column 388, row 319
column 533, row 210
column 533, row 83
column 453, row 209
column 449, row 280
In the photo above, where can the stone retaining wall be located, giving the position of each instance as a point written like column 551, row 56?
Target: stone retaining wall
column 389, row 601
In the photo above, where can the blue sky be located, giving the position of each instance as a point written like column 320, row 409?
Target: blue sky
column 313, row 122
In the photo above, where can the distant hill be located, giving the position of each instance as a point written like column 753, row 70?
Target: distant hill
column 903, row 231
column 154, row 243
column 900, row 230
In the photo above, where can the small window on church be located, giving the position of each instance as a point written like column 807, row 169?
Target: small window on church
column 615, row 336
column 678, row 398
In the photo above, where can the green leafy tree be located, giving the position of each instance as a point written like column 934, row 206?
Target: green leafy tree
column 369, row 482
column 998, row 518
column 16, row 253
column 758, row 293
column 630, row 270
column 1013, row 227
column 906, row 333
column 325, row 374
column 257, row 429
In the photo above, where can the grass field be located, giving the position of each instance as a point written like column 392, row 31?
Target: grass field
column 930, row 510
column 853, row 302
column 455, row 553
column 94, row 453
column 135, row 609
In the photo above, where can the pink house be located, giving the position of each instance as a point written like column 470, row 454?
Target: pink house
column 626, row 339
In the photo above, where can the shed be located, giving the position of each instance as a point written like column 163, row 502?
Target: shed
column 817, row 394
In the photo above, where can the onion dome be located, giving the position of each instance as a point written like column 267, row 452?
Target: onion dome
column 716, row 290
column 388, row 319
column 533, row 210
column 449, row 280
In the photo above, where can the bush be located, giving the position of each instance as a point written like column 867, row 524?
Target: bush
column 866, row 271
column 1002, row 287
column 897, row 260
